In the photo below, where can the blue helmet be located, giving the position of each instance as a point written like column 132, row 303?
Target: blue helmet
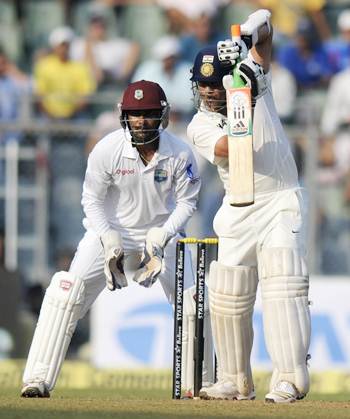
column 207, row 67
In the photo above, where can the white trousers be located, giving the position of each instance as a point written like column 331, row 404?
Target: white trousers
column 88, row 265
column 274, row 220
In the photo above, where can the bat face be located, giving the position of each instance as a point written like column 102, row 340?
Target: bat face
column 240, row 146
column 239, row 112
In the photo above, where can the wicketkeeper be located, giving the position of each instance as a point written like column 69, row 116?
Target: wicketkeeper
column 140, row 189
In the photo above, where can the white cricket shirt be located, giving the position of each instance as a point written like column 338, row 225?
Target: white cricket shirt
column 274, row 165
column 120, row 192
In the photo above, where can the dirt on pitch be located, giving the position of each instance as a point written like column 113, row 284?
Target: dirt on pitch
column 101, row 404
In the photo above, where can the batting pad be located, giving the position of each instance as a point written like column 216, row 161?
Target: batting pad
column 188, row 334
column 284, row 289
column 60, row 311
column 232, row 292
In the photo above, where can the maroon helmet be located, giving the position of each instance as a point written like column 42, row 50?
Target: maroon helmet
column 143, row 95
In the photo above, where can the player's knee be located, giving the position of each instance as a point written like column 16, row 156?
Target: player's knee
column 232, row 290
column 65, row 291
column 283, row 271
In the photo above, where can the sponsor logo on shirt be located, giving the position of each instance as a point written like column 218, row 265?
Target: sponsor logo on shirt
column 190, row 174
column 160, row 175
column 222, row 124
column 124, row 172
column 65, row 285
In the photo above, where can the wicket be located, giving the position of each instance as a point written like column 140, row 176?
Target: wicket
column 178, row 311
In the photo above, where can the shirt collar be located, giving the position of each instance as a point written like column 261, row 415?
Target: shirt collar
column 164, row 150
column 128, row 150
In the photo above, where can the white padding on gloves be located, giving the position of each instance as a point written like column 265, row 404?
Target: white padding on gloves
column 284, row 288
column 252, row 74
column 230, row 51
column 151, row 263
column 114, row 256
column 254, row 22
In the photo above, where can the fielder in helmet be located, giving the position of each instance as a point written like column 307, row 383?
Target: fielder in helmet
column 140, row 189
column 144, row 112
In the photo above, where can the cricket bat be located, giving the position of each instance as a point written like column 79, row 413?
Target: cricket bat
column 240, row 137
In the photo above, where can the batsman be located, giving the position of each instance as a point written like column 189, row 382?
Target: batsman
column 261, row 242
column 140, row 189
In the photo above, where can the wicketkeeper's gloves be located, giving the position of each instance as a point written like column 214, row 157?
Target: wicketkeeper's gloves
column 114, row 257
column 151, row 263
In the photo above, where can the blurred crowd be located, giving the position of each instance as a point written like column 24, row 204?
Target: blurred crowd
column 68, row 56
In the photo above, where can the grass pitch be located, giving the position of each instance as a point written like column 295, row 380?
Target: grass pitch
column 101, row 404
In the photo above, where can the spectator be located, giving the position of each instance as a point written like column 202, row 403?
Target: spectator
column 334, row 174
column 13, row 83
column 339, row 49
column 306, row 58
column 110, row 60
column 181, row 13
column 64, row 87
column 106, row 122
column 202, row 33
column 168, row 70
column 287, row 14
column 284, row 90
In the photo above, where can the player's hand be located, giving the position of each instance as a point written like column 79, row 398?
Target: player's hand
column 114, row 261
column 254, row 76
column 229, row 52
column 151, row 263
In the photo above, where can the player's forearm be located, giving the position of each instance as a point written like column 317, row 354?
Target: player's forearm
column 95, row 213
column 180, row 216
column 221, row 147
column 93, row 202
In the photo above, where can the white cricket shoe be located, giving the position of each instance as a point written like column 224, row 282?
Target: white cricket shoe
column 283, row 392
column 223, row 390
column 35, row 390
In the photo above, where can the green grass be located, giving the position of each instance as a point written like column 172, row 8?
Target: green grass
column 133, row 404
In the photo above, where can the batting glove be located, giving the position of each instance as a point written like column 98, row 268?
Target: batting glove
column 114, row 260
column 151, row 263
column 230, row 51
column 254, row 76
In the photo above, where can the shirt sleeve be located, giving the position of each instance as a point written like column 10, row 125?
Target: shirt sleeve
column 97, row 180
column 204, row 137
column 186, row 188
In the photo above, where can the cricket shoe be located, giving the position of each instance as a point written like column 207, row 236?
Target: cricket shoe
column 223, row 390
column 35, row 390
column 283, row 392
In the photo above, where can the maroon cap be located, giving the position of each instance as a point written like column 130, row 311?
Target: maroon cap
column 143, row 95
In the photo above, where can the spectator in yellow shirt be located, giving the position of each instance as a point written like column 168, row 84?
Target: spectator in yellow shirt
column 286, row 15
column 62, row 85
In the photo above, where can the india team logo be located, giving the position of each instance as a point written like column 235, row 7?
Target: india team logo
column 207, row 69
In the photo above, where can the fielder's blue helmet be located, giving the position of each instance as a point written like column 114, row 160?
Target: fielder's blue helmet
column 207, row 67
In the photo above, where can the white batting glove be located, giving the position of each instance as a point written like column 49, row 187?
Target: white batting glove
column 230, row 51
column 255, row 20
column 151, row 263
column 114, row 259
